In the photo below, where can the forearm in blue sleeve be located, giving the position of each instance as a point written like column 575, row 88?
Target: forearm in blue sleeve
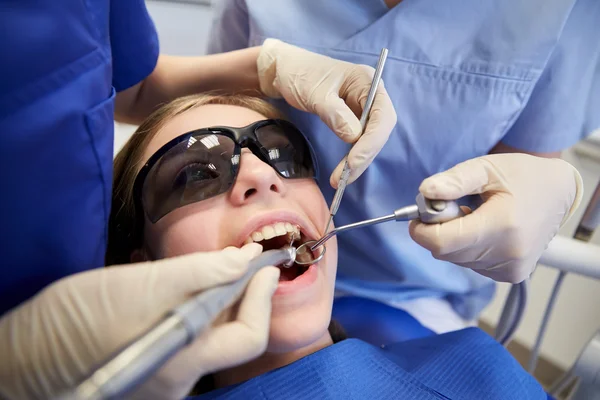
column 134, row 43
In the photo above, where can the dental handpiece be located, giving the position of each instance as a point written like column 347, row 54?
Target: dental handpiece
column 337, row 198
column 132, row 365
column 426, row 210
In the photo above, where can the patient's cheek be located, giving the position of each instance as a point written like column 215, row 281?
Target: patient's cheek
column 185, row 235
column 308, row 195
column 189, row 241
column 293, row 331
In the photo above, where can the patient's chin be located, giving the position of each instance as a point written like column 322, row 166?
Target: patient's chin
column 295, row 331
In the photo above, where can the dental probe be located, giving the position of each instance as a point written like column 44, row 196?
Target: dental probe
column 428, row 211
column 132, row 365
column 337, row 198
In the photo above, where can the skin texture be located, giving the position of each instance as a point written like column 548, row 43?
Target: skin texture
column 175, row 77
column 259, row 196
column 391, row 3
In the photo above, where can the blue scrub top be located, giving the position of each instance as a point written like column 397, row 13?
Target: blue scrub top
column 463, row 75
column 62, row 63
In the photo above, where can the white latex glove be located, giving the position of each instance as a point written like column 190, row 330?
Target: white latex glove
column 53, row 341
column 334, row 90
column 527, row 200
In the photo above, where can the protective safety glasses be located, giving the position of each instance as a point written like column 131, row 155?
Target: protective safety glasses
column 204, row 163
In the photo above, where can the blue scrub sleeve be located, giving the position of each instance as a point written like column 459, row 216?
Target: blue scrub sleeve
column 134, row 43
column 230, row 27
column 557, row 114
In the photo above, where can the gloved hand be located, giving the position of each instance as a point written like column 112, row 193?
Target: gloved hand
column 53, row 341
column 526, row 201
column 334, row 90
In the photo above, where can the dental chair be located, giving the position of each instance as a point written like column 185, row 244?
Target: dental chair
column 376, row 323
column 380, row 324
column 576, row 256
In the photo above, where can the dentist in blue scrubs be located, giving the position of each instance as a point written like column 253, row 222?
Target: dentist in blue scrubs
column 467, row 78
column 70, row 67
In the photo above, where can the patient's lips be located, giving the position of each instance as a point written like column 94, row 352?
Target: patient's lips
column 275, row 234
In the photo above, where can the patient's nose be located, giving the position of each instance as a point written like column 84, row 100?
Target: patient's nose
column 256, row 181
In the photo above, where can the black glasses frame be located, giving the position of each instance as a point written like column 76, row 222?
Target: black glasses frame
column 244, row 137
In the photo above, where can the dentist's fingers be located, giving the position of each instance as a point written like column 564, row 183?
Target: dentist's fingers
column 246, row 337
column 469, row 177
column 526, row 201
column 476, row 228
column 336, row 91
column 336, row 114
column 380, row 125
column 199, row 271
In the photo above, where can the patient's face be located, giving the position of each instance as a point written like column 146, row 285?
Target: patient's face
column 260, row 205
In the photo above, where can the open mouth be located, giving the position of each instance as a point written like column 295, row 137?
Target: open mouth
column 278, row 235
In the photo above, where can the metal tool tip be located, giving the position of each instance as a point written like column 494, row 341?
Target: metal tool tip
column 295, row 235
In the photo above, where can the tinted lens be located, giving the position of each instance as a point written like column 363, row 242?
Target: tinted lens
column 288, row 151
column 196, row 169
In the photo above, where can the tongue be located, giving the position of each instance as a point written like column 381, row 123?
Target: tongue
column 288, row 274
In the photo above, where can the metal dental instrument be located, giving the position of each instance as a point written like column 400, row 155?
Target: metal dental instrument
column 291, row 245
column 428, row 211
column 337, row 198
column 142, row 357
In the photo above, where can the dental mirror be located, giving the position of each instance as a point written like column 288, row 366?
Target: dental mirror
column 304, row 254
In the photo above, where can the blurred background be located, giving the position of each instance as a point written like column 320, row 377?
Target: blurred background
column 183, row 27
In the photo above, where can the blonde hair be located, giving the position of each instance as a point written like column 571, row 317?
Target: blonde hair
column 124, row 231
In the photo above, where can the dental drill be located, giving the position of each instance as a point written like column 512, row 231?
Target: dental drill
column 132, row 365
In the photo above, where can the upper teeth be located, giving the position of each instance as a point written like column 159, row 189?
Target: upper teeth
column 270, row 231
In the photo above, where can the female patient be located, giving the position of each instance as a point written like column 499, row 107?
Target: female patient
column 181, row 188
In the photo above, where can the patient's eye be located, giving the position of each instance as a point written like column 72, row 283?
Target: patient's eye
column 196, row 172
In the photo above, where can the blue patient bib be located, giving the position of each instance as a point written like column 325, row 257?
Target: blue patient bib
column 461, row 365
